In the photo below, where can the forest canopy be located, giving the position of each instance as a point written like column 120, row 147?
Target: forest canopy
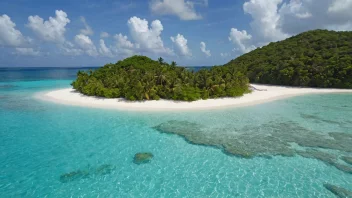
column 318, row 58
column 141, row 78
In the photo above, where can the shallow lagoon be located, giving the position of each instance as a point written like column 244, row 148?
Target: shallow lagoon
column 41, row 141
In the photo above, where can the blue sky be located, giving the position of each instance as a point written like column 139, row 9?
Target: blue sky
column 63, row 33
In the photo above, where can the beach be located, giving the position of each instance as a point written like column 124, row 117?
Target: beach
column 260, row 94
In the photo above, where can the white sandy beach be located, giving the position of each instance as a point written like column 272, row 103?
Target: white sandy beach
column 268, row 93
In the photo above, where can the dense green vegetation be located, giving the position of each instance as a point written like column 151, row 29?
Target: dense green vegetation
column 318, row 58
column 140, row 78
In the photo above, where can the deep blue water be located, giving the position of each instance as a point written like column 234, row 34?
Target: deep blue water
column 39, row 73
column 47, row 73
column 41, row 141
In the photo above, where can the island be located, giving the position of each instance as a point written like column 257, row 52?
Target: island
column 313, row 62
column 141, row 78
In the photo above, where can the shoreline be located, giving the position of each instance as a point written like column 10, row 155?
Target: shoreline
column 260, row 94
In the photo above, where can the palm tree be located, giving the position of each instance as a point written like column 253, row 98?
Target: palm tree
column 161, row 60
column 148, row 82
column 161, row 76
column 173, row 64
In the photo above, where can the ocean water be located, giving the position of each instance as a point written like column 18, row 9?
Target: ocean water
column 42, row 141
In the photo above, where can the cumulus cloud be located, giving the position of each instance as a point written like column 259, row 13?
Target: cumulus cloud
column 87, row 29
column 265, row 19
column 181, row 45
column 123, row 42
column 241, row 39
column 204, row 50
column 123, row 47
column 103, row 50
column 70, row 49
column 104, row 35
column 341, row 7
column 86, row 44
column 323, row 14
column 9, row 35
column 276, row 20
column 147, row 39
column 51, row 30
column 27, row 52
column 180, row 8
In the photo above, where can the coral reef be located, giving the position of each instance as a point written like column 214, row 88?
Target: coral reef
column 87, row 173
column 267, row 140
column 338, row 191
column 347, row 159
column 142, row 158
column 75, row 175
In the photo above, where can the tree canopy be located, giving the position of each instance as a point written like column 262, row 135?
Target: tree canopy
column 318, row 58
column 141, row 78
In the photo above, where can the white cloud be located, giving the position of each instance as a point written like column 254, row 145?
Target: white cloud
column 27, row 52
column 265, row 19
column 103, row 50
column 241, row 39
column 181, row 45
column 295, row 8
column 145, row 38
column 51, row 30
column 341, row 6
column 123, row 42
column 86, row 44
column 69, row 49
column 180, row 8
column 323, row 14
column 224, row 55
column 203, row 49
column 9, row 35
column 87, row 29
column 277, row 20
column 104, row 35
column 123, row 46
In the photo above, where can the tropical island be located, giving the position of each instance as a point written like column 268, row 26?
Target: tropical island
column 306, row 62
column 141, row 78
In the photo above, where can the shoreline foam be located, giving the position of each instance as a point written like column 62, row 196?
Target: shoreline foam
column 260, row 94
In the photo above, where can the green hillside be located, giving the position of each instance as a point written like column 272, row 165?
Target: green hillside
column 318, row 58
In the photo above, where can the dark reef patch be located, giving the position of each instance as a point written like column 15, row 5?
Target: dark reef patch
column 87, row 173
column 347, row 159
column 267, row 140
column 142, row 158
column 75, row 175
column 4, row 96
column 327, row 158
column 338, row 191
column 318, row 119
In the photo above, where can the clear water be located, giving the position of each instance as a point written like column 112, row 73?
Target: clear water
column 40, row 141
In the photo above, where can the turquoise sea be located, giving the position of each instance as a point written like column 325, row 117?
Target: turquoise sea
column 42, row 141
